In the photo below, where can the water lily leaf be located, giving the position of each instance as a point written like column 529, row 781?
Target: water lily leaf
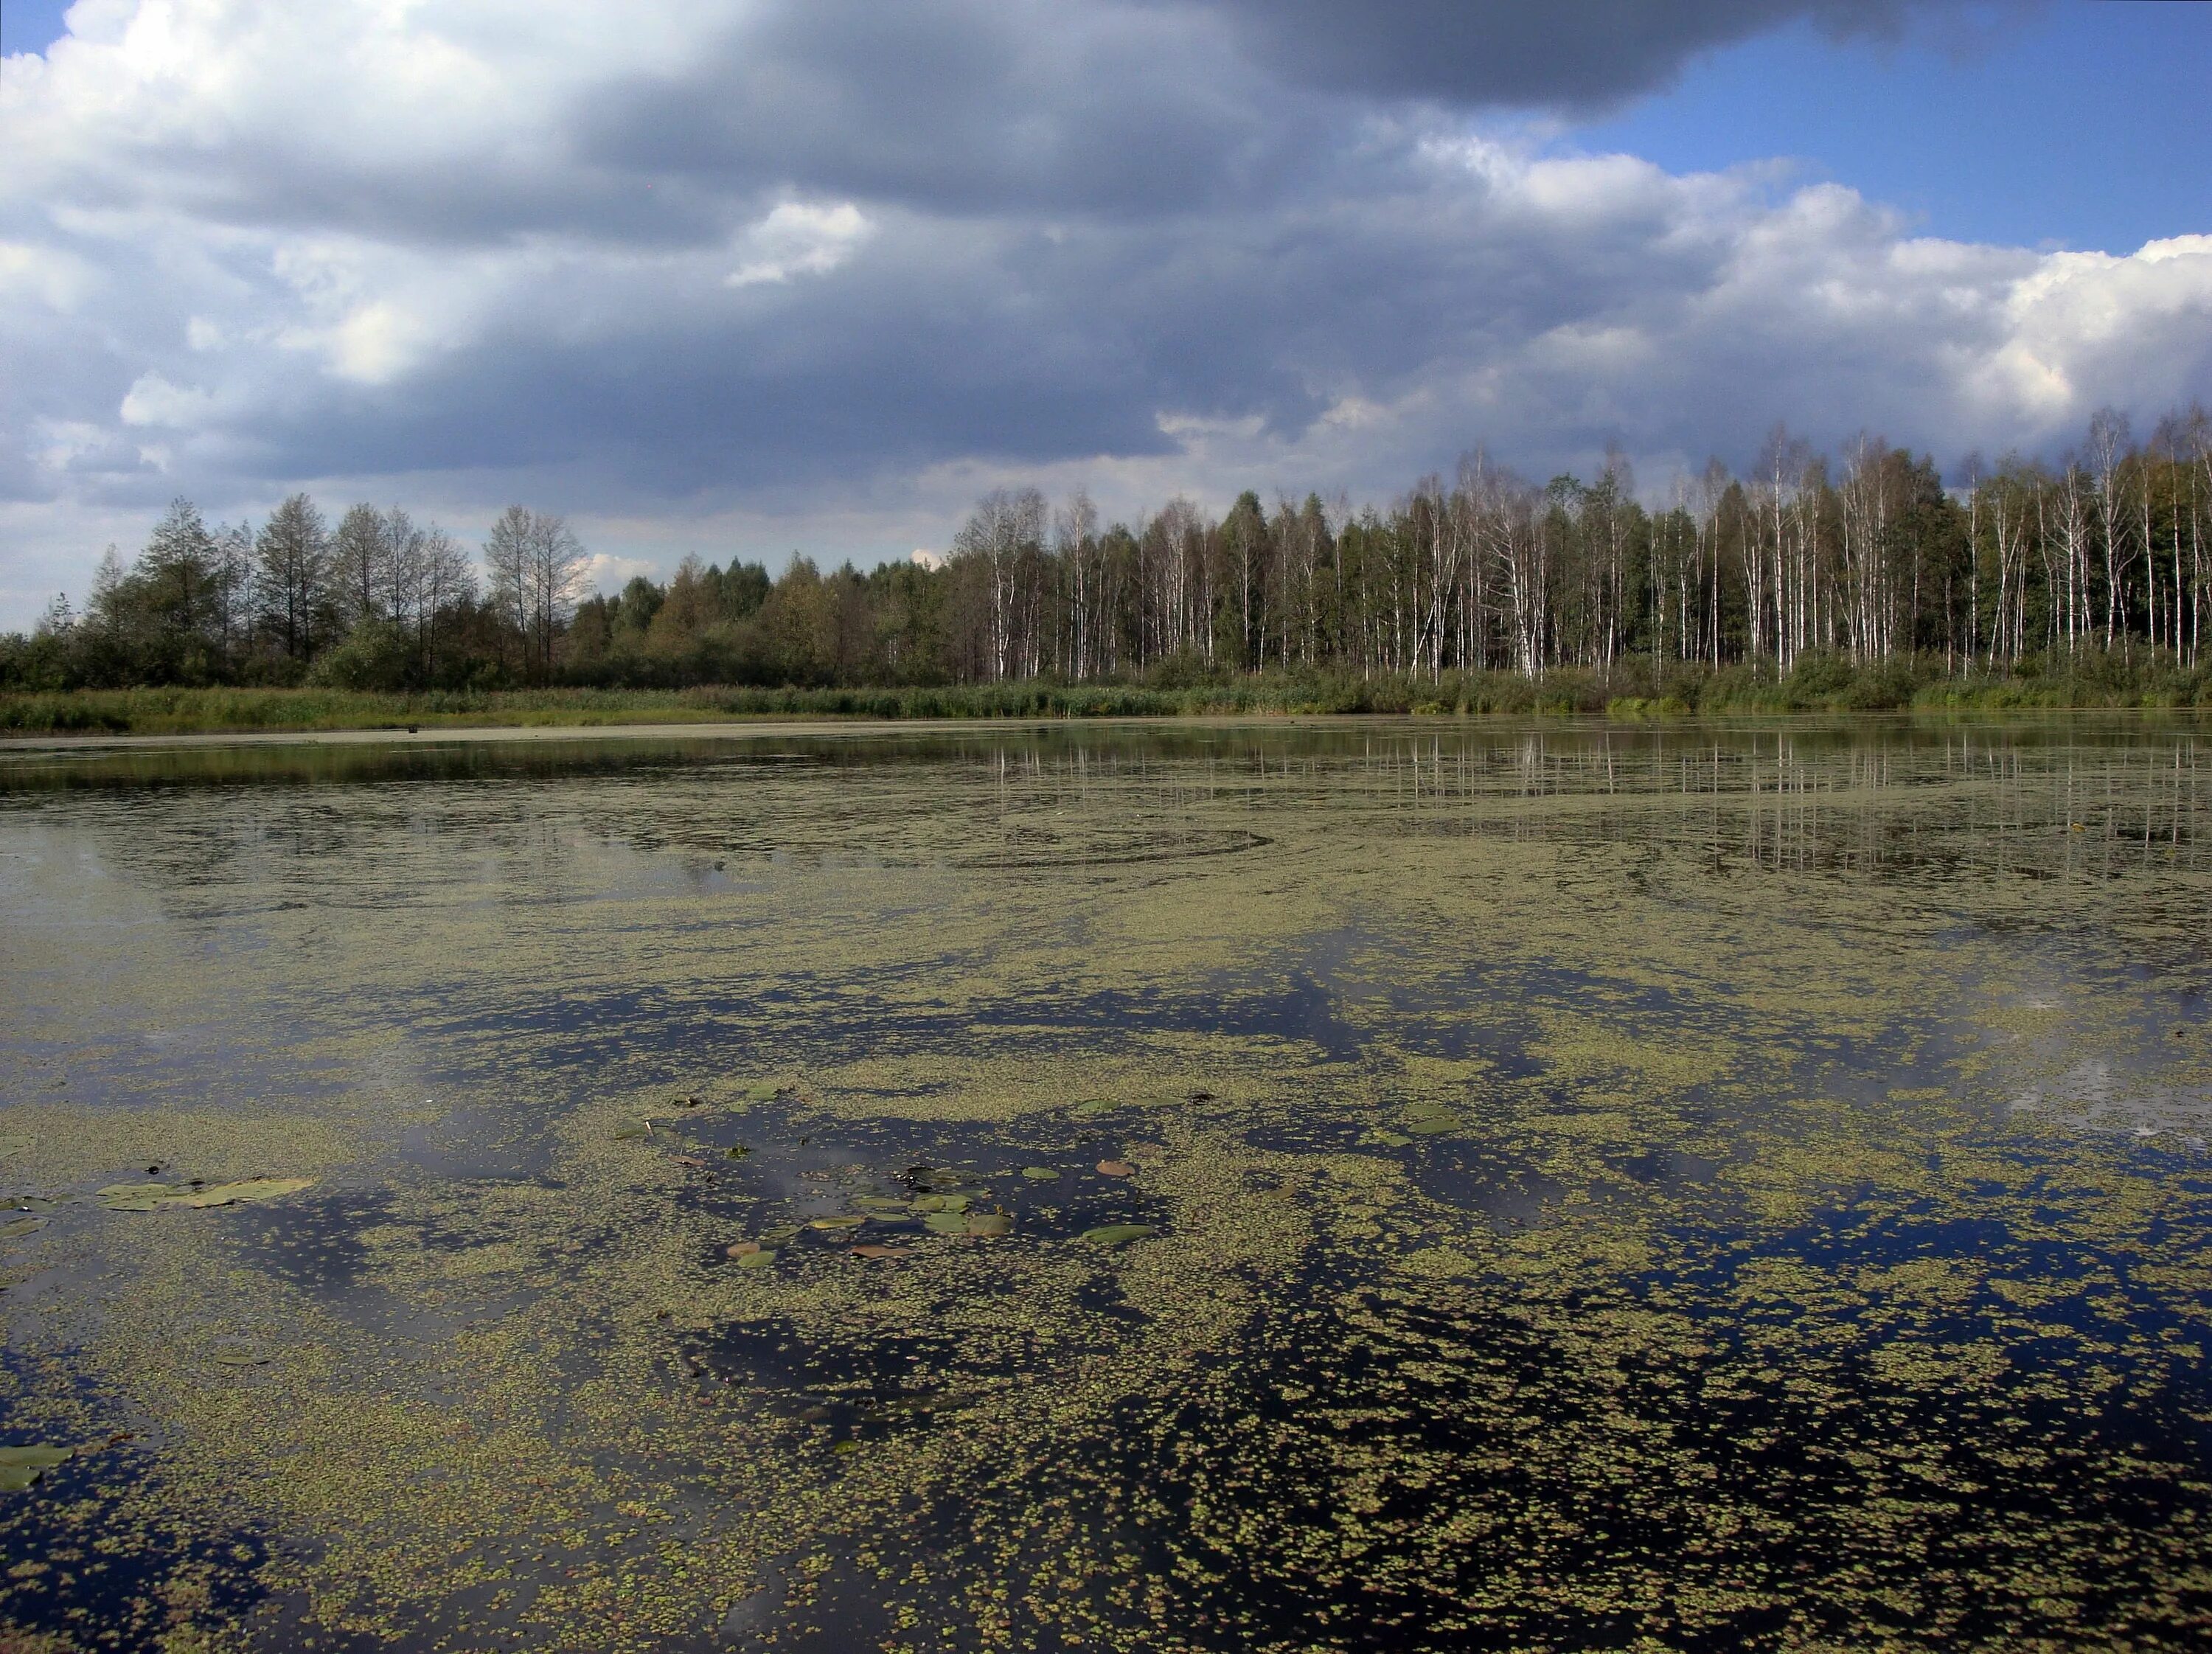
column 946, row 1223
column 779, row 1234
column 1039, row 1174
column 1429, row 1125
column 942, row 1203
column 27, row 1203
column 989, row 1222
column 1392, row 1138
column 1092, row 1107
column 1116, row 1169
column 886, row 1204
column 764, row 1090
column 238, row 1358
column 16, row 1226
column 632, row 1131
column 21, row 1466
column 842, row 1220
column 252, row 1189
column 870, row 1249
column 742, row 1248
column 759, row 1260
column 1115, row 1234
column 39, row 1457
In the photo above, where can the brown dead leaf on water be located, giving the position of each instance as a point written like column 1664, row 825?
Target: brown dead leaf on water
column 872, row 1250
column 1116, row 1169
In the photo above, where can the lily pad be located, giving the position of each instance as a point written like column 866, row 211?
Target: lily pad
column 1116, row 1169
column 946, row 1223
column 1430, row 1125
column 741, row 1249
column 238, row 1358
column 16, row 1226
column 942, row 1203
column 632, row 1131
column 870, row 1249
column 764, row 1090
column 759, row 1260
column 885, row 1205
column 1039, row 1174
column 20, row 1466
column 842, row 1220
column 989, row 1224
column 1392, row 1138
column 1116, row 1234
column 252, row 1189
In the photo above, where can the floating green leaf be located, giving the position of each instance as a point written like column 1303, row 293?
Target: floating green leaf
column 989, row 1222
column 941, row 1203
column 1039, row 1174
column 842, row 1220
column 20, row 1466
column 1115, row 1234
column 16, row 1226
column 756, row 1260
column 252, row 1189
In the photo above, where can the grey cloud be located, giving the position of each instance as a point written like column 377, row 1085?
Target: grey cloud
column 1570, row 53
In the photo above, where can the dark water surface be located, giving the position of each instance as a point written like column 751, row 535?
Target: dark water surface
column 1364, row 1184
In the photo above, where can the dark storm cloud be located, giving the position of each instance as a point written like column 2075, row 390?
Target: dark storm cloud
column 1569, row 53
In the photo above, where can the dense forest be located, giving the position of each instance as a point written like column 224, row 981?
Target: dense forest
column 2017, row 567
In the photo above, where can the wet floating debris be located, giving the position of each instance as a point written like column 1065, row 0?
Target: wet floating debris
column 152, row 1197
column 1115, row 1234
column 742, row 1248
column 1116, row 1169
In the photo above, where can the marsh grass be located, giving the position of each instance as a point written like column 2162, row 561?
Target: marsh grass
column 1635, row 690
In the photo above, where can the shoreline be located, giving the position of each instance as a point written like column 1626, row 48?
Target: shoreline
column 769, row 726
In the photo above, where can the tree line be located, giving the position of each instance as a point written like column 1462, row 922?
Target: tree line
column 2018, row 566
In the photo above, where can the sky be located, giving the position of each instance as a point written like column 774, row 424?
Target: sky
column 743, row 277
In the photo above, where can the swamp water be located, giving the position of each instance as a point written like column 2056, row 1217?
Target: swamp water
column 1364, row 1185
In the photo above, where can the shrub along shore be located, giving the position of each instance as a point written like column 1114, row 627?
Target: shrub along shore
column 1822, row 684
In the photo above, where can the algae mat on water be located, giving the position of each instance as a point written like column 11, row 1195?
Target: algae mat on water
column 1298, row 1187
